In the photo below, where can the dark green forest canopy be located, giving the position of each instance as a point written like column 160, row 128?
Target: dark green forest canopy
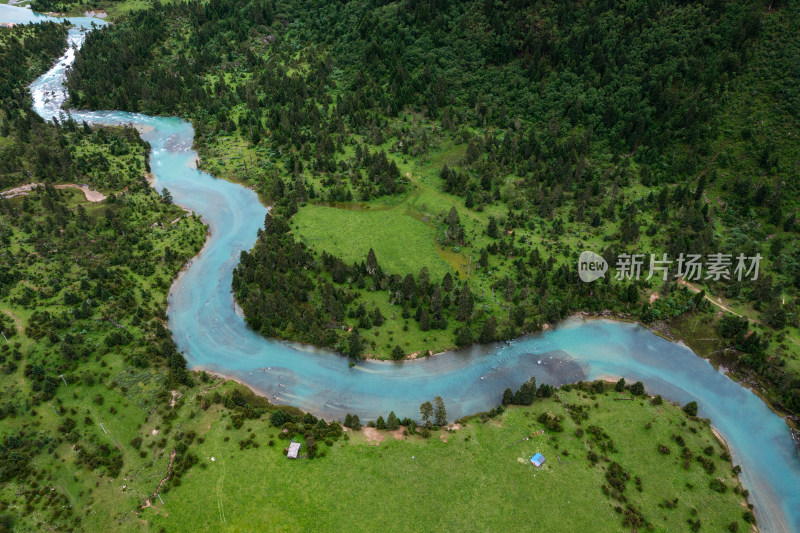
column 638, row 76
column 641, row 126
column 25, row 51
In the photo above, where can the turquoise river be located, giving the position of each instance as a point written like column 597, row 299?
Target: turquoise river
column 213, row 336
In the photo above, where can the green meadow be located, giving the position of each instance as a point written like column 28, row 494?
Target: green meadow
column 474, row 478
column 407, row 233
column 402, row 241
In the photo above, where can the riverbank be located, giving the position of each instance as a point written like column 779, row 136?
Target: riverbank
column 668, row 331
column 491, row 453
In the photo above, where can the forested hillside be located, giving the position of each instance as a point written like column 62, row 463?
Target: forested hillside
column 83, row 349
column 437, row 167
column 33, row 151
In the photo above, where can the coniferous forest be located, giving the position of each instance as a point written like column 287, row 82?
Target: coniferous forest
column 518, row 134
column 433, row 169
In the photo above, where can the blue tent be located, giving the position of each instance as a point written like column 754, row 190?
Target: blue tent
column 538, row 460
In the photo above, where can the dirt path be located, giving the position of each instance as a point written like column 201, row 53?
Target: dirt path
column 22, row 190
column 147, row 502
column 169, row 473
column 373, row 435
column 719, row 304
column 16, row 319
column 710, row 299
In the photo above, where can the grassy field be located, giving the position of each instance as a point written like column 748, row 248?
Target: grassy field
column 406, row 233
column 475, row 478
column 76, row 412
column 402, row 242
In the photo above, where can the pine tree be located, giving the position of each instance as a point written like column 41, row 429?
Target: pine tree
column 463, row 336
column 392, row 422
column 647, row 314
column 701, row 186
column 526, row 393
column 508, row 397
column 439, row 411
column 425, row 320
column 409, row 287
column 380, row 423
column 398, row 353
column 377, row 317
column 423, row 281
column 491, row 231
column 447, row 282
column 465, row 304
column 426, row 411
column 436, row 301
column 631, row 293
column 483, row 262
column 444, row 174
column 489, row 331
column 454, row 230
column 354, row 344
column 372, row 262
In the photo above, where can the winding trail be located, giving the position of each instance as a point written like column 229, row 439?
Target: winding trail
column 708, row 297
column 212, row 336
column 719, row 304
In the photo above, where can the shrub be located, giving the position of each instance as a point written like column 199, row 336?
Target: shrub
column 717, row 486
column 657, row 400
column 279, row 418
